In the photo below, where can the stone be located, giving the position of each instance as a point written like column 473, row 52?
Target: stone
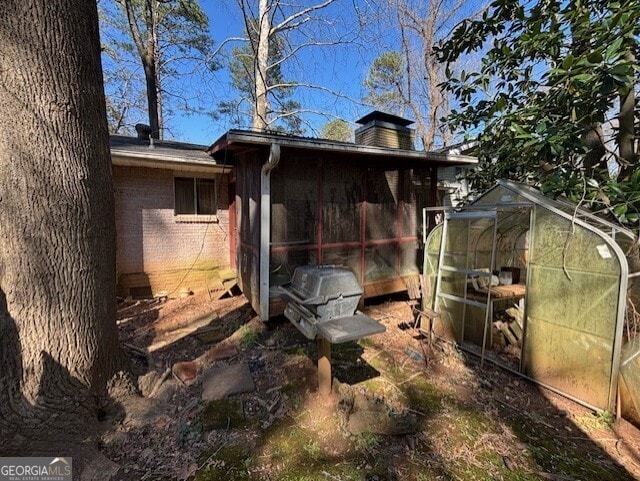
column 185, row 371
column 147, row 382
column 377, row 422
column 222, row 382
column 220, row 353
column 209, row 335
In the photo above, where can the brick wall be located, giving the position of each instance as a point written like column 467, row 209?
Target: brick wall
column 154, row 249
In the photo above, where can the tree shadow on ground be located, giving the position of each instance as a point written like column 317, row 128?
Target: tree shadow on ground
column 473, row 423
column 554, row 442
column 63, row 418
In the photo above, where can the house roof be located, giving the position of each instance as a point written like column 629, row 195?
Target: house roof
column 162, row 154
column 465, row 148
column 384, row 117
column 239, row 140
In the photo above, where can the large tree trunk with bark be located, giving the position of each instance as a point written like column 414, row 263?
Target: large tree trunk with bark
column 58, row 339
column 148, row 52
column 261, row 66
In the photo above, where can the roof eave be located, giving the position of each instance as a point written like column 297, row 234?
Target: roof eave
column 259, row 138
column 159, row 161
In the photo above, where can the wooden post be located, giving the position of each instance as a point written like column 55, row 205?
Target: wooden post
column 433, row 196
column 324, row 367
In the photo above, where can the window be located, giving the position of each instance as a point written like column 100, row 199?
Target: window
column 194, row 196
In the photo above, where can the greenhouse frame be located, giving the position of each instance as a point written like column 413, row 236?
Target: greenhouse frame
column 542, row 287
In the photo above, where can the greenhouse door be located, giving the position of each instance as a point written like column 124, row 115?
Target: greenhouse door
column 467, row 252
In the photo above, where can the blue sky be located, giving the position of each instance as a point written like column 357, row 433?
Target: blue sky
column 366, row 30
column 339, row 68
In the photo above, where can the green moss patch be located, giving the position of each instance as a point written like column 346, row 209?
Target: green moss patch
column 223, row 414
column 228, row 462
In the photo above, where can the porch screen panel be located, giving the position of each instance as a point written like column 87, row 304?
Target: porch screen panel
column 248, row 226
column 342, row 195
column 382, row 196
column 294, row 200
column 381, row 262
column 344, row 256
column 283, row 263
column 416, row 198
column 410, row 258
column 572, row 299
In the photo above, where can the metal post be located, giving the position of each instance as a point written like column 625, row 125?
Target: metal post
column 265, row 229
column 489, row 311
column 324, row 367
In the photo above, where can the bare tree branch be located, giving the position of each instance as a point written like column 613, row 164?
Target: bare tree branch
column 298, row 48
column 306, row 11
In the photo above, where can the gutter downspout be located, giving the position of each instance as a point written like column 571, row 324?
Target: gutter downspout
column 265, row 228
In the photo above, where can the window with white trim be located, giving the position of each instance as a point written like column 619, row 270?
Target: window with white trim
column 194, row 196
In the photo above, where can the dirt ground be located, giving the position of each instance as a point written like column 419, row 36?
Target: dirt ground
column 399, row 410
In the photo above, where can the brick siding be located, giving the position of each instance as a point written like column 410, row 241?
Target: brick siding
column 154, row 249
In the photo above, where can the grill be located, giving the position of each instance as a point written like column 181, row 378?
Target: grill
column 322, row 302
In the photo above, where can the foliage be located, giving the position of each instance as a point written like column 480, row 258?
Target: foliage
column 405, row 79
column 165, row 41
column 553, row 101
column 337, row 130
column 248, row 336
column 385, row 82
column 242, row 70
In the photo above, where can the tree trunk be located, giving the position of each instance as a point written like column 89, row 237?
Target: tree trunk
column 58, row 339
column 626, row 122
column 261, row 67
column 432, row 78
column 594, row 159
column 148, row 52
column 150, row 76
column 150, row 62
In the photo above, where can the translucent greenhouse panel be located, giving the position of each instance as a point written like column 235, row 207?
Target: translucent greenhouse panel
column 480, row 245
column 512, row 248
column 449, row 324
column 452, row 283
column 558, row 243
column 456, row 250
column 500, row 195
column 575, row 363
column 474, row 325
column 630, row 381
column 452, row 311
column 630, row 360
column 430, row 269
column 572, row 306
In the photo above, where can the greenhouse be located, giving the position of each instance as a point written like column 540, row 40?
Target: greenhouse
column 541, row 287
